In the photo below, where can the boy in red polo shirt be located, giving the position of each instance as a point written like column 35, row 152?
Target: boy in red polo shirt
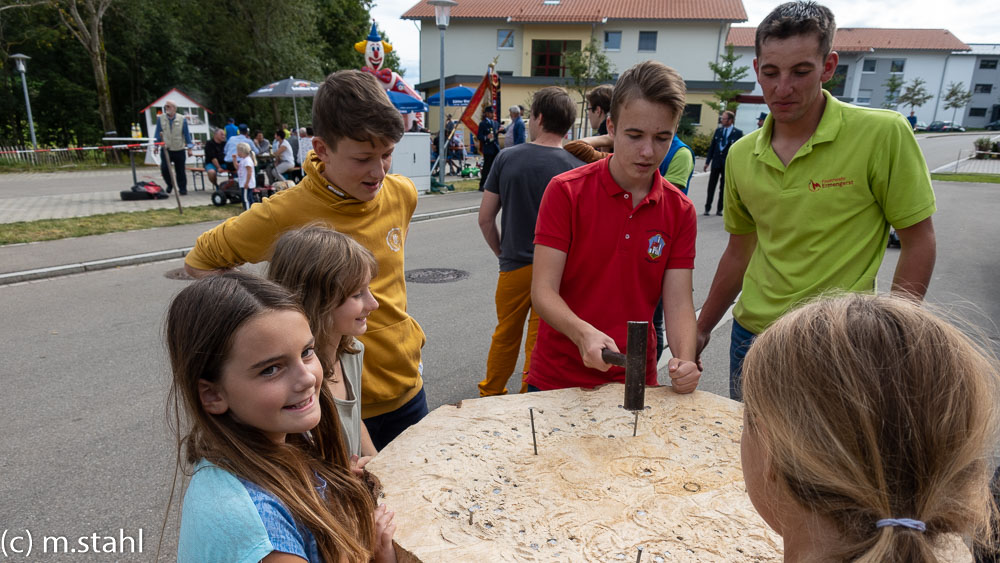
column 612, row 238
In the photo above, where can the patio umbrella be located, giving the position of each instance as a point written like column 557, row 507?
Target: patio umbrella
column 406, row 103
column 288, row 88
column 458, row 96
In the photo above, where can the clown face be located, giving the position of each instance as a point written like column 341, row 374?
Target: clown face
column 374, row 54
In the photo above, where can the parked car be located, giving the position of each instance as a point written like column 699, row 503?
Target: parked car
column 920, row 126
column 944, row 126
column 993, row 125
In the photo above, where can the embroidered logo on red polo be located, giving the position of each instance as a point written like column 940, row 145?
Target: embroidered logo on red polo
column 655, row 248
column 830, row 183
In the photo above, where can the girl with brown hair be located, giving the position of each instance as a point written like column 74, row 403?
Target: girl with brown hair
column 329, row 273
column 271, row 477
column 867, row 429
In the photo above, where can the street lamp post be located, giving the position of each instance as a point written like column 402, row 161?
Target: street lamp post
column 442, row 13
column 21, row 62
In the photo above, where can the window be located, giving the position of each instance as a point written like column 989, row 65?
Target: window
column 505, row 39
column 547, row 56
column 647, row 41
column 864, row 97
column 693, row 113
column 897, row 65
column 977, row 112
column 869, row 65
column 983, row 88
column 988, row 64
column 836, row 82
column 612, row 40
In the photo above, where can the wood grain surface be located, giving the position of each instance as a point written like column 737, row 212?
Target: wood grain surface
column 593, row 492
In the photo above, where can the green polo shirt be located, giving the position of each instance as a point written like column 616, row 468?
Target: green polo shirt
column 822, row 222
column 680, row 168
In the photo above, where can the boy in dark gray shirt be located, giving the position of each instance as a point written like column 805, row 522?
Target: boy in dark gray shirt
column 516, row 183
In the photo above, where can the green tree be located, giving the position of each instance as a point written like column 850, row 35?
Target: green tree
column 84, row 20
column 835, row 80
column 956, row 98
column 727, row 74
column 217, row 52
column 342, row 23
column 914, row 94
column 892, row 87
column 59, row 79
column 587, row 67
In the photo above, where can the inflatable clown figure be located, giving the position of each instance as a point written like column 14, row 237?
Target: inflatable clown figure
column 374, row 50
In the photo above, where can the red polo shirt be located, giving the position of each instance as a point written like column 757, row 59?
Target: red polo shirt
column 616, row 257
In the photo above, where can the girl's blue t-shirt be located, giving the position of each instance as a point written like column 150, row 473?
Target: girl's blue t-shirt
column 226, row 519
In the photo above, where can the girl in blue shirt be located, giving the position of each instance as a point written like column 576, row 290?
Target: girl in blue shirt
column 271, row 476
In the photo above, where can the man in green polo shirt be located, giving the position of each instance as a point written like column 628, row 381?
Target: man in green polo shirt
column 810, row 196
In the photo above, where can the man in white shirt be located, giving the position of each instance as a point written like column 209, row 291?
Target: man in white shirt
column 305, row 143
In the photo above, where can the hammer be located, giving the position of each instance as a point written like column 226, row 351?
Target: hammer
column 634, row 362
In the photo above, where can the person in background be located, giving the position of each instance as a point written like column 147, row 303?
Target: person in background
column 725, row 135
column 262, row 144
column 283, row 159
column 231, row 129
column 305, row 143
column 516, row 126
column 293, row 141
column 215, row 156
column 246, row 165
column 516, row 184
column 173, row 132
column 598, row 105
column 489, row 144
column 241, row 137
column 761, row 118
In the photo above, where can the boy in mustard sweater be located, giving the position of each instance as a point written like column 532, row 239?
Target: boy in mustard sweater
column 346, row 188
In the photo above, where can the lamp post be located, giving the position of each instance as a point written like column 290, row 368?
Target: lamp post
column 442, row 13
column 21, row 62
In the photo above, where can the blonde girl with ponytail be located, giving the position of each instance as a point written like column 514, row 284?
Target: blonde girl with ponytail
column 867, row 429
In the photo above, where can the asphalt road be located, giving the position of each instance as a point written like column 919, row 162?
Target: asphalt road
column 86, row 445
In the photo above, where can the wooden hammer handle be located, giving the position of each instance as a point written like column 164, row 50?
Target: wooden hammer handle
column 613, row 358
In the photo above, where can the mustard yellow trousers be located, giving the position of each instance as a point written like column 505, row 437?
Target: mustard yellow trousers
column 513, row 302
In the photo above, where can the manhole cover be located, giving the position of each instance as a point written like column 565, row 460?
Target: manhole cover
column 177, row 274
column 435, row 275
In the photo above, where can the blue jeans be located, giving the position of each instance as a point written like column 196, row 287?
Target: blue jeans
column 738, row 347
column 385, row 427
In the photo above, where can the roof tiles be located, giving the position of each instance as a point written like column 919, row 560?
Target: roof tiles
column 864, row 39
column 588, row 11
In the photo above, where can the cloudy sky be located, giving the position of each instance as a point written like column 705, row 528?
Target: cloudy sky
column 972, row 21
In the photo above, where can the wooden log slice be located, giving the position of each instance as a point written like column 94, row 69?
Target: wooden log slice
column 593, row 492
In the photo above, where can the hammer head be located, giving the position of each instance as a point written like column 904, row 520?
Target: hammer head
column 635, row 365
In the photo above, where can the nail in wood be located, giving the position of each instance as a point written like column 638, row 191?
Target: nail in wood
column 638, row 557
column 534, row 443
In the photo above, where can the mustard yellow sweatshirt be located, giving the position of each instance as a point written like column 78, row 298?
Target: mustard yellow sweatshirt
column 392, row 365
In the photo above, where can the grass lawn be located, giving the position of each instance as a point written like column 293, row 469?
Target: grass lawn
column 980, row 178
column 52, row 229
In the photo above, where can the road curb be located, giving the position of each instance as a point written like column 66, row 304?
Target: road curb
column 161, row 255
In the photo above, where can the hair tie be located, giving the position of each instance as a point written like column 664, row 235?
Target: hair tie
column 904, row 522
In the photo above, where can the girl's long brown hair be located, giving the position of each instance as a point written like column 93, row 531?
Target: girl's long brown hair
column 322, row 268
column 871, row 408
column 199, row 330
